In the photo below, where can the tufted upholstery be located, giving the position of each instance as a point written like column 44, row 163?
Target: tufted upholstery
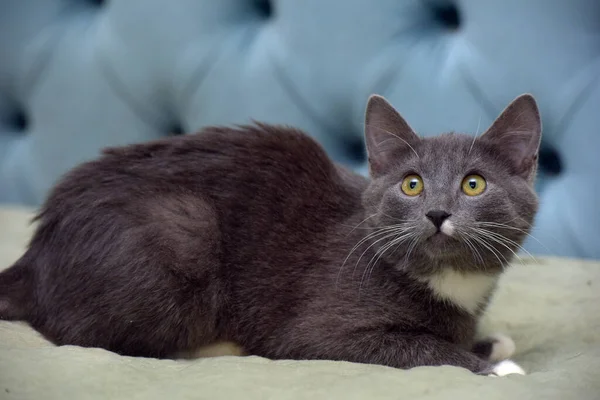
column 79, row 75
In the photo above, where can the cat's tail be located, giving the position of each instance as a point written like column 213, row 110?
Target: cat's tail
column 15, row 292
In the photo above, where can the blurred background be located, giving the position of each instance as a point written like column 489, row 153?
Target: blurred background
column 80, row 75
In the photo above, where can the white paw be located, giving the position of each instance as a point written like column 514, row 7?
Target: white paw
column 507, row 367
column 503, row 347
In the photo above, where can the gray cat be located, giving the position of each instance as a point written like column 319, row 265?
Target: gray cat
column 252, row 235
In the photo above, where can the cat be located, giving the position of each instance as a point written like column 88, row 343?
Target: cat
column 252, row 235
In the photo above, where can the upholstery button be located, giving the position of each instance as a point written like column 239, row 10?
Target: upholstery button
column 19, row 121
column 356, row 150
column 176, row 130
column 446, row 14
column 264, row 7
column 550, row 161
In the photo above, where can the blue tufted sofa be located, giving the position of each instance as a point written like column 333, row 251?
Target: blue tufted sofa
column 79, row 75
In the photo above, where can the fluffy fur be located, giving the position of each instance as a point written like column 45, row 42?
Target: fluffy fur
column 253, row 236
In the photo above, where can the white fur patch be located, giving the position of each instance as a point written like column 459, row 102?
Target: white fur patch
column 217, row 349
column 503, row 347
column 507, row 367
column 466, row 290
column 447, row 227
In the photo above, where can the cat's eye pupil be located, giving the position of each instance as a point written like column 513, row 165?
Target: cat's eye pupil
column 472, row 183
column 413, row 184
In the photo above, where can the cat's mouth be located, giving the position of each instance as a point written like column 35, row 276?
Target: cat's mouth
column 442, row 245
column 440, row 238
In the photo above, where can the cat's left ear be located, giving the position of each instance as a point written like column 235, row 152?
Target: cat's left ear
column 517, row 133
column 387, row 135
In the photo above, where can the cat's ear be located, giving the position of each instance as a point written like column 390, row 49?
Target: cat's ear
column 517, row 133
column 386, row 134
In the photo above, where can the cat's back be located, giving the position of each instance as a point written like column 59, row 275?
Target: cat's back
column 219, row 147
column 217, row 155
column 260, row 165
column 212, row 157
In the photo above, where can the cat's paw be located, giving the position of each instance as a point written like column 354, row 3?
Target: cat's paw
column 507, row 367
column 495, row 348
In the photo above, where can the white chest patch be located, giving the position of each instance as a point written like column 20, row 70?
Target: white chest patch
column 466, row 290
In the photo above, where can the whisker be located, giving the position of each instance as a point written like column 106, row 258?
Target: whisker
column 501, row 225
column 387, row 236
column 399, row 224
column 412, row 245
column 471, row 246
column 378, row 232
column 374, row 259
column 362, row 222
column 476, row 134
column 396, row 136
column 377, row 256
column 381, row 231
column 491, row 249
column 497, row 239
column 506, row 239
column 399, row 239
column 397, row 219
column 503, row 239
column 372, row 244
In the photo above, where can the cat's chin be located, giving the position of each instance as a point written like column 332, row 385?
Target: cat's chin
column 440, row 238
column 441, row 245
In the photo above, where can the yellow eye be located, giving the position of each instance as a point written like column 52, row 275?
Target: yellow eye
column 412, row 185
column 473, row 185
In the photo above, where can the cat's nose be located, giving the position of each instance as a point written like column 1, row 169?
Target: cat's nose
column 437, row 217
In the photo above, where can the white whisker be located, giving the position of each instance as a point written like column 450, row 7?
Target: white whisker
column 504, row 226
column 377, row 256
column 387, row 232
column 412, row 245
column 481, row 241
column 498, row 239
column 371, row 245
column 471, row 247
column 381, row 233
column 476, row 134
column 503, row 240
column 362, row 222
column 396, row 136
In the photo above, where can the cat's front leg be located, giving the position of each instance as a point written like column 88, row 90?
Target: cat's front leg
column 423, row 350
column 406, row 351
column 495, row 348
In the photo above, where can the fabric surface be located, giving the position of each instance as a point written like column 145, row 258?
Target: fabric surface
column 76, row 76
column 549, row 306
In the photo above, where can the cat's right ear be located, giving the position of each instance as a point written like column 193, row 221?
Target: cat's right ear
column 386, row 135
column 517, row 133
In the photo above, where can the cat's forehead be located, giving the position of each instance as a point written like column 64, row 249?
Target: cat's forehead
column 447, row 153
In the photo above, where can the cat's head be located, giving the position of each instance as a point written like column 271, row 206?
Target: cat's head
column 461, row 200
